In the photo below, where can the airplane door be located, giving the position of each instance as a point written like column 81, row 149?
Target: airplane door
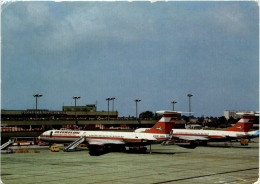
column 136, row 136
column 51, row 134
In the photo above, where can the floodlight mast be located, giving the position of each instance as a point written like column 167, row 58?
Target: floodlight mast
column 113, row 98
column 189, row 95
column 36, row 105
column 75, row 99
column 173, row 102
column 136, row 107
column 108, row 99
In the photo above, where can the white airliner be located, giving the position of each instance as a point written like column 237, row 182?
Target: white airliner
column 100, row 142
column 239, row 130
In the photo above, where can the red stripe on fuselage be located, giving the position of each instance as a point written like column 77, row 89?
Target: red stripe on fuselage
column 113, row 138
column 199, row 135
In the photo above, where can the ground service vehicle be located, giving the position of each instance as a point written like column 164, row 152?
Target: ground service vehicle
column 54, row 149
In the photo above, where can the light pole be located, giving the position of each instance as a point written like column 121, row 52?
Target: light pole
column 173, row 102
column 136, row 101
column 189, row 95
column 75, row 98
column 108, row 99
column 36, row 97
column 113, row 98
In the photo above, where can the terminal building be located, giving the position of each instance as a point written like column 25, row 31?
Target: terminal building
column 68, row 112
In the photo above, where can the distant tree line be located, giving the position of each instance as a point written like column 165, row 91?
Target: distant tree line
column 212, row 122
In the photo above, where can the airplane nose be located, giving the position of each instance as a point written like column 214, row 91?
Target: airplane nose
column 39, row 138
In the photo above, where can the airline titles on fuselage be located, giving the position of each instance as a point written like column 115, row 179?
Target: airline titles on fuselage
column 67, row 132
column 159, row 136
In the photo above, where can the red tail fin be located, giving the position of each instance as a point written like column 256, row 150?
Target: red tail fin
column 165, row 124
column 244, row 124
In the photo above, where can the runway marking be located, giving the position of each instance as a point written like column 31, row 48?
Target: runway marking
column 247, row 181
column 194, row 177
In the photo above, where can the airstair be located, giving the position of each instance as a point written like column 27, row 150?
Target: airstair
column 8, row 143
column 168, row 141
column 74, row 144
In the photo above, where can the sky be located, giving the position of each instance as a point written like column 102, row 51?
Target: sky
column 156, row 52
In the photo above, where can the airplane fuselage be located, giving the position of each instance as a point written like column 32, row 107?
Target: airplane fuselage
column 127, row 137
column 212, row 135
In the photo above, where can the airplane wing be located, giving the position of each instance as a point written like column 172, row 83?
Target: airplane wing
column 192, row 138
column 254, row 133
column 101, row 142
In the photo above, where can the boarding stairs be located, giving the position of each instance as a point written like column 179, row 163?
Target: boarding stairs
column 168, row 141
column 8, row 143
column 74, row 144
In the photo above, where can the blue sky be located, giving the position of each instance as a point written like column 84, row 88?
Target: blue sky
column 157, row 52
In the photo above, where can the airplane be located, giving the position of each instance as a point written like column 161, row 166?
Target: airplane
column 253, row 134
column 201, row 137
column 101, row 142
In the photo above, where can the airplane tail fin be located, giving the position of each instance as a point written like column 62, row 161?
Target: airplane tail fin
column 244, row 124
column 165, row 124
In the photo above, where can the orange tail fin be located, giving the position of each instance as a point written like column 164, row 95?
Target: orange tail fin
column 244, row 124
column 165, row 124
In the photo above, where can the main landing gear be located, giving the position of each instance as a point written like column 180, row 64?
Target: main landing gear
column 97, row 150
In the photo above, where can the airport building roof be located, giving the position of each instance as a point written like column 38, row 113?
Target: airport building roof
column 84, row 111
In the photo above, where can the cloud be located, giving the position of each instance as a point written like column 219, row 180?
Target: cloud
column 153, row 51
column 19, row 16
column 233, row 19
column 121, row 23
column 94, row 23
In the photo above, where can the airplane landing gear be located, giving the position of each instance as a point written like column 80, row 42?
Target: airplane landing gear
column 97, row 150
column 137, row 149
